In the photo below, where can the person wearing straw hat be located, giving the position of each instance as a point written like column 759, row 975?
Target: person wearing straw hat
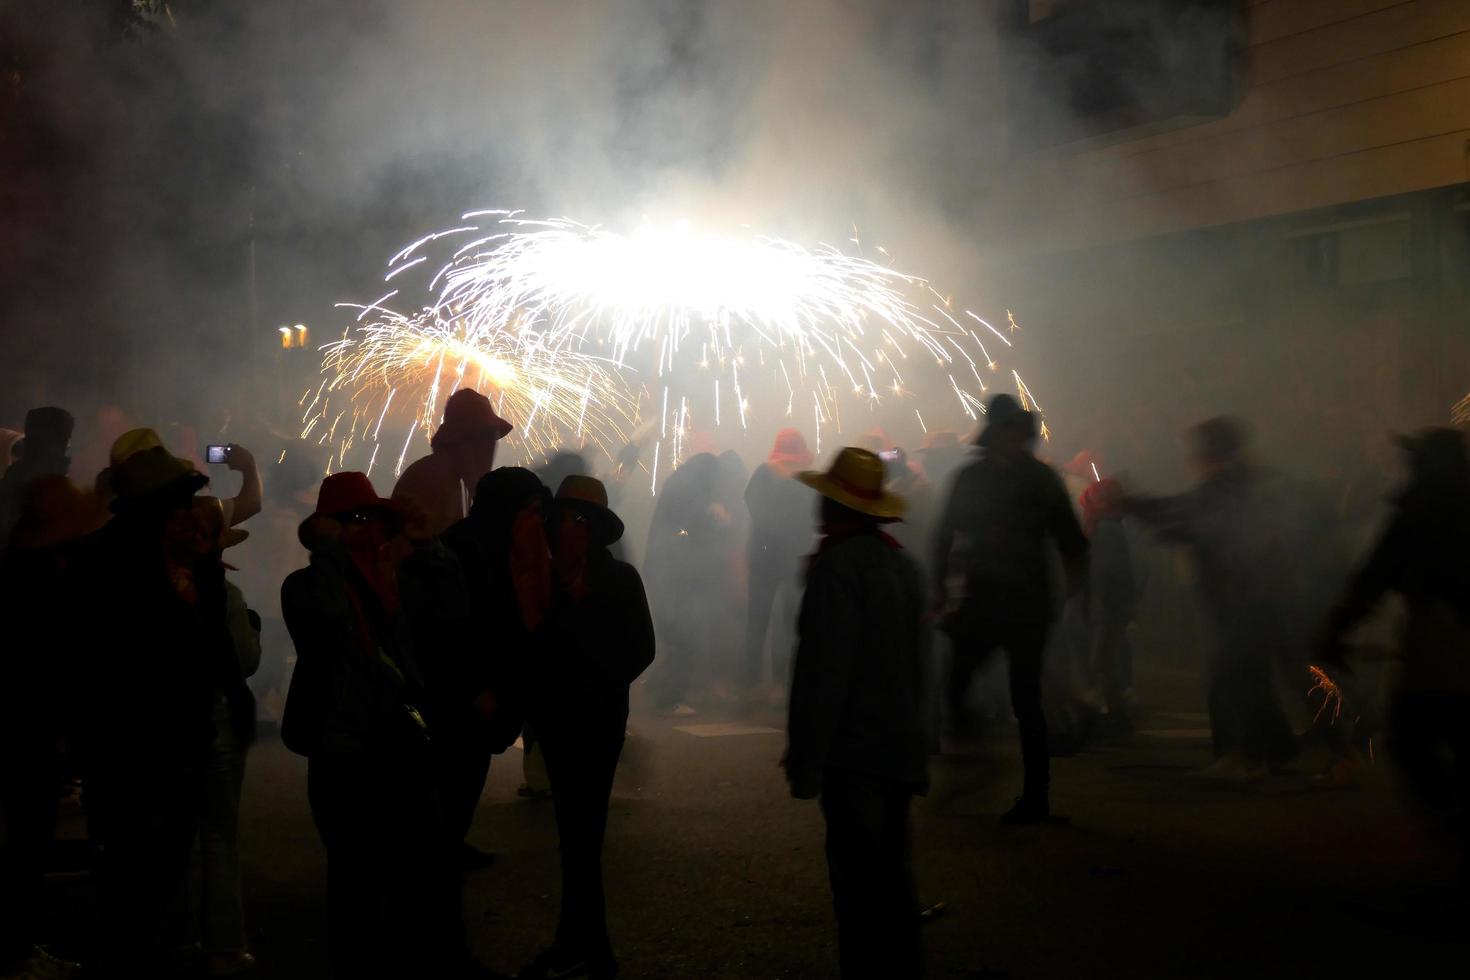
column 462, row 451
column 596, row 641
column 1010, row 509
column 156, row 635
column 35, row 680
column 855, row 732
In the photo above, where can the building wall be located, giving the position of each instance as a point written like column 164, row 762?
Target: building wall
column 1345, row 100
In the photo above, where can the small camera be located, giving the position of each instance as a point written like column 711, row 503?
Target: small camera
column 217, row 454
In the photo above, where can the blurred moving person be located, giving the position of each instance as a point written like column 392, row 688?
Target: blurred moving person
column 462, row 451
column 780, row 533
column 41, row 452
column 1232, row 524
column 594, row 644
column 687, row 563
column 476, row 684
column 36, row 688
column 1008, row 506
column 1424, row 556
column 1112, row 600
column 856, row 719
column 353, row 711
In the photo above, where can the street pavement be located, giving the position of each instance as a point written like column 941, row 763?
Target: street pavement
column 713, row 871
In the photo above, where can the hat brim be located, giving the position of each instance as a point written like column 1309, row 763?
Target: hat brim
column 987, row 435
column 181, row 487
column 607, row 525
column 232, row 536
column 886, row 506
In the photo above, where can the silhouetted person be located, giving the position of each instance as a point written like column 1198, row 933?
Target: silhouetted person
column 780, row 533
column 157, row 637
column 476, row 684
column 856, row 720
column 596, row 641
column 36, row 689
column 1112, row 599
column 221, row 930
column 352, row 710
column 690, row 542
column 1233, row 524
column 463, row 450
column 1008, row 506
column 42, row 452
column 1424, row 556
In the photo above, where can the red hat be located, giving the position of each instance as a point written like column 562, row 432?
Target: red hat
column 1101, row 501
column 348, row 493
column 344, row 493
column 790, row 449
column 467, row 414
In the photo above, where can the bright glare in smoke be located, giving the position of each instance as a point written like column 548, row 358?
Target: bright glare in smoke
column 582, row 334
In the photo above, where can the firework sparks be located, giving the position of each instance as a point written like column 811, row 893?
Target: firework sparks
column 556, row 319
column 1331, row 693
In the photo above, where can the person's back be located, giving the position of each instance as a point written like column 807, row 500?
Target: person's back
column 780, row 521
column 859, row 661
column 1008, row 509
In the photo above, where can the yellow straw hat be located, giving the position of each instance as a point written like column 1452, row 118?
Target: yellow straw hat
column 856, row 481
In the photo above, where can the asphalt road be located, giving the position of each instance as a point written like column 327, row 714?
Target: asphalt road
column 714, row 872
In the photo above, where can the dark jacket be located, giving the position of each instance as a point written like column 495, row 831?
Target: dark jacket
column 1241, row 528
column 1007, row 510
column 782, row 523
column 38, row 669
column 490, row 649
column 1111, row 584
column 690, row 546
column 591, row 650
column 1422, row 556
column 153, row 663
column 857, row 685
column 357, row 686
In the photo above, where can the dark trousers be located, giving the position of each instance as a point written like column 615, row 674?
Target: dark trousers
column 771, row 594
column 1111, row 657
column 462, row 764
column 29, row 786
column 1245, row 714
column 1023, row 644
column 146, row 825
column 1429, row 739
column 868, row 860
column 582, row 745
column 392, row 896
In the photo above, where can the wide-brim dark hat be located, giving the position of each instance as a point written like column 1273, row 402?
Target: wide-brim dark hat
column 349, row 492
column 154, row 475
column 588, row 496
column 1002, row 411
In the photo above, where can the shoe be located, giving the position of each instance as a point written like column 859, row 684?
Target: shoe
column 1027, row 811
column 234, row 964
column 471, row 858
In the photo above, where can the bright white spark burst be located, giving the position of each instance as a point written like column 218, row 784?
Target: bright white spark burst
column 572, row 329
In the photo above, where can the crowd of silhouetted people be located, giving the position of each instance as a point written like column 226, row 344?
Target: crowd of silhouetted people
column 477, row 607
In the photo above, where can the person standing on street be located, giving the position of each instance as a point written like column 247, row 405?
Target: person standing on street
column 596, row 641
column 1008, row 505
column 856, row 719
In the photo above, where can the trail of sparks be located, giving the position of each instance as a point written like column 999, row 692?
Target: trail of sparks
column 556, row 318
